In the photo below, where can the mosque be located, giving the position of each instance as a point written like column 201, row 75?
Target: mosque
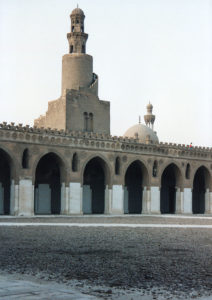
column 68, row 163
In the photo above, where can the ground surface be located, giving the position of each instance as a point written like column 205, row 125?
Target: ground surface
column 165, row 263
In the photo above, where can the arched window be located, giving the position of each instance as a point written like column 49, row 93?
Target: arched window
column 90, row 127
column 188, row 171
column 25, row 159
column 82, row 29
column 88, row 122
column 74, row 162
column 72, row 28
column 155, row 169
column 83, row 48
column 117, row 166
column 71, row 49
column 85, row 121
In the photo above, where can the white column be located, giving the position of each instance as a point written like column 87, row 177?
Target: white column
column 64, row 199
column 75, row 198
column 155, row 199
column 117, row 199
column 179, row 201
column 87, row 199
column 146, row 201
column 26, row 198
column 12, row 197
column 208, row 202
column 16, row 199
column 14, row 188
column 187, row 203
column 126, row 208
column 108, row 200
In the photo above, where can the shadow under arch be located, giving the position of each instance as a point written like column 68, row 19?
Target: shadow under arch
column 49, row 174
column 7, row 173
column 135, row 179
column 61, row 160
column 171, row 180
column 96, row 176
column 202, row 181
column 105, row 164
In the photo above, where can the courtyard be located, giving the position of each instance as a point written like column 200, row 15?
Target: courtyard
column 110, row 257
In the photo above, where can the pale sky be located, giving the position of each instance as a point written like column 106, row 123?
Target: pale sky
column 143, row 50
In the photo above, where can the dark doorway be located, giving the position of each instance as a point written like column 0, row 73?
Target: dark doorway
column 133, row 182
column 94, row 177
column 47, row 185
column 198, row 195
column 5, row 180
column 168, row 190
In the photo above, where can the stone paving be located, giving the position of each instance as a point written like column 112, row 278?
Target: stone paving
column 95, row 257
column 11, row 288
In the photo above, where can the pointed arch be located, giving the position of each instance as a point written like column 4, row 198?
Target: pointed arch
column 171, row 180
column 5, row 182
column 95, row 174
column 136, row 177
column 105, row 165
column 48, row 184
column 202, row 182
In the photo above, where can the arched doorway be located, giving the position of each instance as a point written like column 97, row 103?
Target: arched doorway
column 5, row 181
column 169, row 183
column 200, row 184
column 133, row 188
column 94, row 183
column 48, row 185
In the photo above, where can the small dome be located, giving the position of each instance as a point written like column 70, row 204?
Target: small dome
column 143, row 133
column 149, row 106
column 77, row 11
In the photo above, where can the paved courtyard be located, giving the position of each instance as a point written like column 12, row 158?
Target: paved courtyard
column 104, row 257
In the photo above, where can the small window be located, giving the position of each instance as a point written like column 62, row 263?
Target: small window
column 72, row 29
column 188, row 171
column 77, row 21
column 25, row 159
column 155, row 169
column 85, row 121
column 90, row 125
column 75, row 163
column 71, row 49
column 117, row 166
column 82, row 29
column 83, row 48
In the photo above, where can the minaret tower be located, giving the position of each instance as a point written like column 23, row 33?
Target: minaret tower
column 149, row 118
column 77, row 66
column 79, row 107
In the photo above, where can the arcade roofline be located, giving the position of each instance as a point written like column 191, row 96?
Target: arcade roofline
column 19, row 133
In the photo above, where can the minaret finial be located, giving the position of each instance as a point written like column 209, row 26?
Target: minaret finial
column 139, row 119
column 77, row 5
column 149, row 118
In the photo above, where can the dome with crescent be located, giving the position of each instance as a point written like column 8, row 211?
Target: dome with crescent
column 144, row 133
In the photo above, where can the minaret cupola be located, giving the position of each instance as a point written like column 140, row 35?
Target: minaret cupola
column 77, row 38
column 149, row 118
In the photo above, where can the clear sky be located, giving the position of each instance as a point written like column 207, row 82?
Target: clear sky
column 143, row 50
